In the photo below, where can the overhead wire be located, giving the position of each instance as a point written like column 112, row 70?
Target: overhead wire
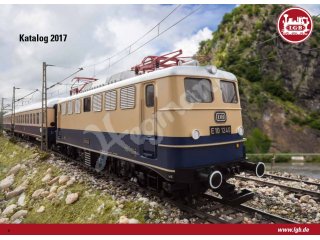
column 159, row 34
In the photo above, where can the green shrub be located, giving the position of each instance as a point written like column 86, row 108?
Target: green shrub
column 258, row 142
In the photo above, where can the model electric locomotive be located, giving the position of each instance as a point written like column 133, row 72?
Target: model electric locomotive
column 177, row 129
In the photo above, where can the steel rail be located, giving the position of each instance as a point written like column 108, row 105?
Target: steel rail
column 292, row 189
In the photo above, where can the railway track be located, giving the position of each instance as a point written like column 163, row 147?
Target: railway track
column 246, row 209
column 193, row 210
column 218, row 208
column 291, row 189
column 291, row 179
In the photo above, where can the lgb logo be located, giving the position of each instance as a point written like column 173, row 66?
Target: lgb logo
column 295, row 25
column 220, row 117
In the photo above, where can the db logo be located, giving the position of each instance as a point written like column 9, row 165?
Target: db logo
column 295, row 25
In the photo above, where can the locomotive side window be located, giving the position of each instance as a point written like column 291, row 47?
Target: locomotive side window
column 150, row 95
column 63, row 108
column 198, row 90
column 70, row 107
column 77, row 106
column 87, row 104
column 110, row 100
column 229, row 93
column 97, row 102
column 127, row 97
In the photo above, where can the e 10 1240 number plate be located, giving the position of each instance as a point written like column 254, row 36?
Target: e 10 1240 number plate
column 220, row 130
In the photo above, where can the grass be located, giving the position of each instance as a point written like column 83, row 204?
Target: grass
column 85, row 210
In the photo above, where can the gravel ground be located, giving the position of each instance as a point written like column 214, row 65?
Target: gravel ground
column 301, row 208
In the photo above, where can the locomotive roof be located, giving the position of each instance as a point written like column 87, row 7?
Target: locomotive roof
column 193, row 71
column 34, row 106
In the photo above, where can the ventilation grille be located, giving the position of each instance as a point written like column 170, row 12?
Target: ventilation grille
column 110, row 100
column 87, row 159
column 127, row 97
column 97, row 102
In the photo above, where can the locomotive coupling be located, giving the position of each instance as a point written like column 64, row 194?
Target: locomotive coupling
column 258, row 168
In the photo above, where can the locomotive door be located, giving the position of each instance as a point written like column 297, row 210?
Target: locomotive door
column 148, row 121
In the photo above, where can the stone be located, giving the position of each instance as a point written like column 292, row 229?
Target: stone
column 46, row 178
column 7, row 182
column 153, row 204
column 53, row 189
column 53, row 180
column 133, row 221
column 49, row 171
column 41, row 209
column 71, row 181
column 21, row 200
column 4, row 220
column 60, row 189
column 305, row 198
column 100, row 208
column 9, row 210
column 143, row 199
column 51, row 195
column 15, row 192
column 63, row 179
column 71, row 198
column 123, row 220
column 44, row 193
column 19, row 214
column 37, row 193
column 14, row 170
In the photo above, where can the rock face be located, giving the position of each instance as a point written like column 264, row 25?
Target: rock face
column 246, row 43
column 7, row 182
column 71, row 198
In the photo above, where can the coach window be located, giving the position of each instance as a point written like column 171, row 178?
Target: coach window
column 229, row 93
column 63, row 108
column 150, row 95
column 87, row 104
column 77, row 106
column 70, row 108
column 30, row 118
column 38, row 118
column 198, row 90
column 34, row 118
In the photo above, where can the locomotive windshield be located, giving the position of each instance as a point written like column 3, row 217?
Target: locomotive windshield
column 229, row 94
column 198, row 90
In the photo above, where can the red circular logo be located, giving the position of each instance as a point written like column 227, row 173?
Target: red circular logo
column 295, row 25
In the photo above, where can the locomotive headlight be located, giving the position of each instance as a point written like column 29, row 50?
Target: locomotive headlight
column 240, row 131
column 195, row 134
